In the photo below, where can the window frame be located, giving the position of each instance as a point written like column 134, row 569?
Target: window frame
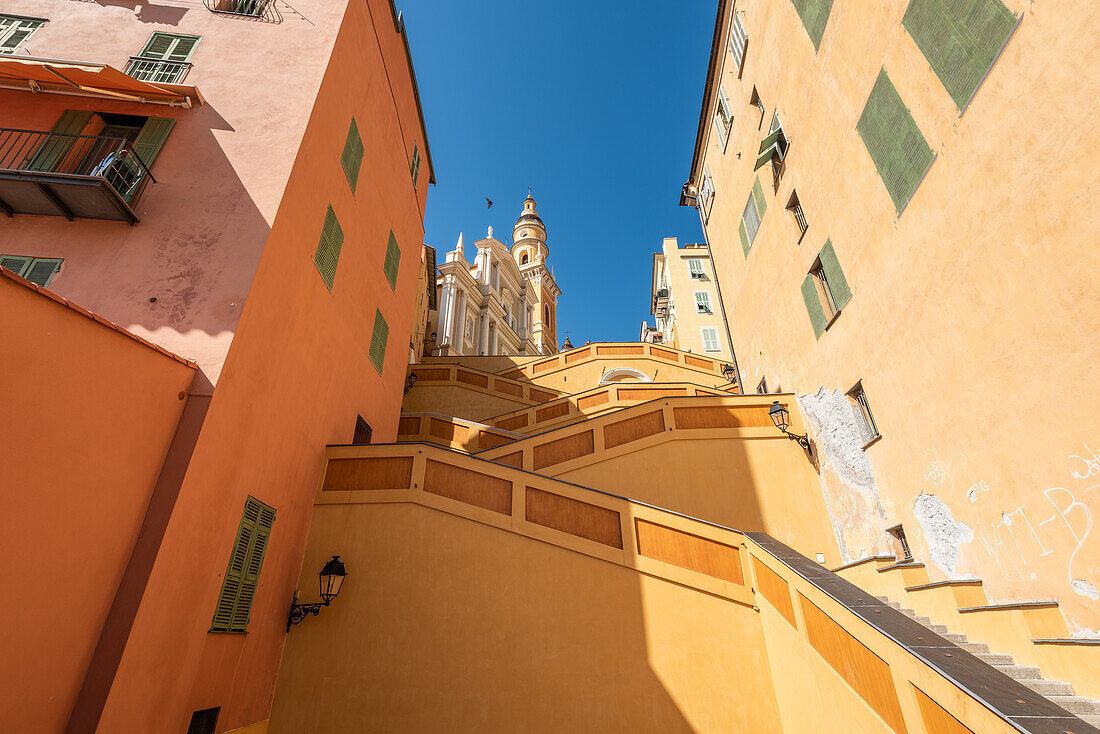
column 794, row 206
column 743, row 41
column 28, row 264
column 699, row 273
column 723, row 109
column 857, row 395
column 703, row 303
column 817, row 284
column 762, row 386
column 703, row 331
column 18, row 23
column 705, row 199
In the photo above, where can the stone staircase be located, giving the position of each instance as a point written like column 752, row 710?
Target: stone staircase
column 1057, row 692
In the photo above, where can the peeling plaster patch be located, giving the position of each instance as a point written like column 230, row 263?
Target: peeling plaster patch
column 942, row 532
column 1084, row 588
column 1082, row 633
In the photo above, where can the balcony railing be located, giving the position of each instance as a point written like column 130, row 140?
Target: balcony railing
column 262, row 10
column 157, row 70
column 91, row 176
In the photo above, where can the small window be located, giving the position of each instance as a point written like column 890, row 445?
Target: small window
column 695, row 268
column 243, row 574
column 525, row 259
column 723, row 118
column 900, row 543
column 352, row 157
column 739, row 41
column 392, row 262
column 166, row 58
column 859, row 399
column 702, row 302
column 363, row 432
column 328, row 249
column 795, row 208
column 252, row 8
column 15, row 30
column 706, row 194
column 825, row 289
column 204, row 721
column 546, row 314
column 38, row 270
column 762, row 388
column 751, row 216
column 710, row 339
column 414, row 167
column 755, row 101
column 379, row 337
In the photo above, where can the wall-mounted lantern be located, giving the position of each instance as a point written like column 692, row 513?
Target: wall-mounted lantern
column 409, row 383
column 781, row 417
column 729, row 373
column 332, row 578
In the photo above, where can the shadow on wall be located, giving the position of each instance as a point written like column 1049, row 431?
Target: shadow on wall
column 146, row 12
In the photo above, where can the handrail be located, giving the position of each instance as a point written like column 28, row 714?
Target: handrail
column 157, row 71
column 258, row 10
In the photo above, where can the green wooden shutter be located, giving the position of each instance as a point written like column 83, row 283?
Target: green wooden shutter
column 414, row 167
column 14, row 263
column 170, row 46
column 814, row 15
column 745, row 244
column 768, row 148
column 813, row 305
column 895, row 143
column 961, row 39
column 13, row 31
column 238, row 591
column 834, row 276
column 758, row 195
column 352, row 157
column 40, row 271
column 57, row 144
column 151, row 139
column 393, row 261
column 328, row 249
column 378, row 341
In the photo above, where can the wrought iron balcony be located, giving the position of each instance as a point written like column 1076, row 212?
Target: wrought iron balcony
column 262, row 10
column 89, row 176
column 157, row 70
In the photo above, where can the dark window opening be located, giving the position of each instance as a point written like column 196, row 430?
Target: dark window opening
column 363, row 432
column 762, row 388
column 794, row 206
column 901, row 545
column 756, row 102
column 204, row 721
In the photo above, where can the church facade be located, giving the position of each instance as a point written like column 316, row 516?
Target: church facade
column 504, row 302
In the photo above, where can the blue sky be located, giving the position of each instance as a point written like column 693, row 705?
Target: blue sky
column 594, row 105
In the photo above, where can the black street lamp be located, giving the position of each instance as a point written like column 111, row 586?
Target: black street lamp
column 781, row 417
column 729, row 373
column 332, row 578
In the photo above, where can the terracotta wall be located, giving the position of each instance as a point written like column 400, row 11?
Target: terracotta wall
column 76, row 486
column 969, row 311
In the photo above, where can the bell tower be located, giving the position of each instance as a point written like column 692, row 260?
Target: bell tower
column 529, row 235
column 540, row 296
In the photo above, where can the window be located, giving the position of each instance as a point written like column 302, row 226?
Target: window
column 723, row 118
column 546, row 314
column 751, row 216
column 706, row 194
column 328, row 249
column 739, row 40
column 363, row 432
column 204, row 721
column 352, row 157
column 393, row 261
column 755, row 101
column 901, row 545
column 825, row 289
column 814, row 15
column 795, row 208
column 695, row 268
column 859, row 399
column 710, row 339
column 38, row 270
column 241, row 577
column 773, row 148
column 414, row 167
column 524, row 260
column 702, row 302
column 165, row 58
column 378, row 341
column 899, row 151
column 762, row 388
column 254, row 8
column 960, row 40
column 15, row 29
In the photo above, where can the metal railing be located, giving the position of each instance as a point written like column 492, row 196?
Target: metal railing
column 87, row 156
column 157, row 70
column 263, row 10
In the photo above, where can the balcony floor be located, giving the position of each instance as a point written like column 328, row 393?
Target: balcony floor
column 61, row 194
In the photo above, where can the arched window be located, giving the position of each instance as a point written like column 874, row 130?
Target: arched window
column 525, row 259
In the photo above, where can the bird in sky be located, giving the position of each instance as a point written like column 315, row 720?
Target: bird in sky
column 489, row 202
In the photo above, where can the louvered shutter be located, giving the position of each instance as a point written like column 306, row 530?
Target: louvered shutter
column 738, row 40
column 151, row 139
column 393, row 261
column 813, row 305
column 834, row 276
column 768, row 148
column 378, row 341
column 745, row 244
column 895, row 143
column 61, row 139
column 170, row 47
column 702, row 302
column 961, row 39
column 328, row 248
column 242, row 576
column 758, row 194
column 352, row 157
column 814, row 15
column 14, row 263
column 42, row 270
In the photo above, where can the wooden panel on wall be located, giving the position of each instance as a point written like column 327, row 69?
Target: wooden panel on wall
column 473, row 378
column 552, row 411
column 383, row 473
column 471, row 487
column 511, row 424
column 722, row 416
column 509, row 388
column 514, row 374
column 591, row 401
column 538, row 367
column 541, row 396
column 631, row 429
column 619, row 351
column 689, row 551
column 865, row 672
column 448, row 431
column 574, row 517
column 515, row 460
column 489, row 440
column 698, row 362
column 408, row 426
column 578, row 354
column 773, row 588
column 564, row 449
column 663, row 354
column 651, row 393
column 936, row 719
column 430, row 375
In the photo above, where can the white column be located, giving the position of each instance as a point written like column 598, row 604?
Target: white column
column 459, row 322
column 483, row 333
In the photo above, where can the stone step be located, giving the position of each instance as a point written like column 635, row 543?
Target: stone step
column 1020, row 672
column 957, row 637
column 1077, row 705
column 1093, row 719
column 939, row 629
column 1047, row 687
column 991, row 658
column 976, row 648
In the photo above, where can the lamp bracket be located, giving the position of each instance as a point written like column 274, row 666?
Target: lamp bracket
column 298, row 612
